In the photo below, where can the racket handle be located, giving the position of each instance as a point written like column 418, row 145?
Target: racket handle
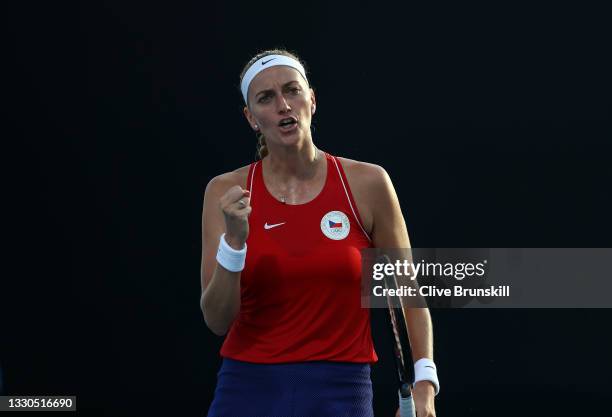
column 406, row 405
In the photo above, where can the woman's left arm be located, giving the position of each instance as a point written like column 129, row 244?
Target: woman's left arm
column 389, row 231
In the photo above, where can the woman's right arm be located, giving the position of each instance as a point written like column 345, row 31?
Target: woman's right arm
column 221, row 213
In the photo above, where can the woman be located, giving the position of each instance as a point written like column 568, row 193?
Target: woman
column 299, row 343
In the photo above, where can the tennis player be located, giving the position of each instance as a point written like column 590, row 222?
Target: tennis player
column 281, row 267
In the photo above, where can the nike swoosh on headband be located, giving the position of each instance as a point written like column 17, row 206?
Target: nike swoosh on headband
column 265, row 64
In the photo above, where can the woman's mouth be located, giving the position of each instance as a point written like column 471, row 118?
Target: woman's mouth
column 287, row 125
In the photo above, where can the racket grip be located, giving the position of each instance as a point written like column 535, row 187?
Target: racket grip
column 406, row 406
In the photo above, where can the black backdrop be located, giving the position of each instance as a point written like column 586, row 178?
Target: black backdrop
column 493, row 122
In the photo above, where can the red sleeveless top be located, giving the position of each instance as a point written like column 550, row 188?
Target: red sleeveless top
column 300, row 288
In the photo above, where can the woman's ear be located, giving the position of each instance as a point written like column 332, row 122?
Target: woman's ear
column 250, row 118
column 313, row 99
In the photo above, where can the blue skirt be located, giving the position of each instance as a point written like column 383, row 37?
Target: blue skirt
column 305, row 389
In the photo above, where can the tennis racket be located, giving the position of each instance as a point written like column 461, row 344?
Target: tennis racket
column 401, row 346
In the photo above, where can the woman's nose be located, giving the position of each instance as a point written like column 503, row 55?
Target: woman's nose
column 282, row 103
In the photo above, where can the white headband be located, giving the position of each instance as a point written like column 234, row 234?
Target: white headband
column 267, row 62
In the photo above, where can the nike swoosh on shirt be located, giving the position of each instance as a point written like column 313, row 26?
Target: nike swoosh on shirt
column 272, row 226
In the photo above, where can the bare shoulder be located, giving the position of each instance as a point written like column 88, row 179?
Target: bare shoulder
column 223, row 182
column 363, row 174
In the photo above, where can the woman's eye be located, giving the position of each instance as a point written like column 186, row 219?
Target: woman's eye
column 295, row 90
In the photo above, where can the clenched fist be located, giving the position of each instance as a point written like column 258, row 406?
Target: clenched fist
column 235, row 205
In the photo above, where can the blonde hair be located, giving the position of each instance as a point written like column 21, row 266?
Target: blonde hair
column 262, row 149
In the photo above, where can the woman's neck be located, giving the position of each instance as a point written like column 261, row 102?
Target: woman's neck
column 287, row 164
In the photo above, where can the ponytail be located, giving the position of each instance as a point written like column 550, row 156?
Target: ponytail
column 262, row 149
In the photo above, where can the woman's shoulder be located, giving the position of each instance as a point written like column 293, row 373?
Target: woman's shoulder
column 363, row 173
column 221, row 183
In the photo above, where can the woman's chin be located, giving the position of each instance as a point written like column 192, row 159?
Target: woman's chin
column 291, row 138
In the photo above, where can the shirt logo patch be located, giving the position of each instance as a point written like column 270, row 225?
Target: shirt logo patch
column 335, row 225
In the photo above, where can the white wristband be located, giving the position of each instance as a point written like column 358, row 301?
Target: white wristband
column 230, row 258
column 425, row 370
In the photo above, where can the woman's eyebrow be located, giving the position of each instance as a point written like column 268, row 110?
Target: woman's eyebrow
column 270, row 90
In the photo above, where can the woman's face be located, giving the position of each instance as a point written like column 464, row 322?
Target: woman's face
column 281, row 105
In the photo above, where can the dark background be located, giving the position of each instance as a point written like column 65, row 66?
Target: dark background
column 493, row 122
